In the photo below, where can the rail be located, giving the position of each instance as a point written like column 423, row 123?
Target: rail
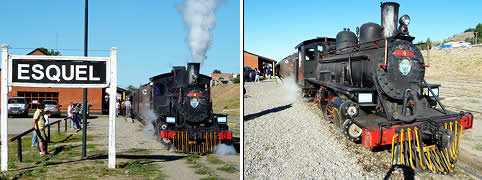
column 18, row 137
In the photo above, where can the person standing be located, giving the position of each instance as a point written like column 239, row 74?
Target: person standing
column 256, row 79
column 268, row 73
column 117, row 106
column 127, row 106
column 70, row 115
column 38, row 124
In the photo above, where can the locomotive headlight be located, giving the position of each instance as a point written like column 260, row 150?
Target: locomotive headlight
column 222, row 119
column 170, row 119
column 405, row 20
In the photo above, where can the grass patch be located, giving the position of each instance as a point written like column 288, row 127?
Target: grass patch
column 214, row 160
column 227, row 168
column 210, row 178
column 99, row 162
column 202, row 170
column 144, row 168
column 478, row 147
column 90, row 146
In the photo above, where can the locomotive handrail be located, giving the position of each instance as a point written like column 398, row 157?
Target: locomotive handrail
column 436, row 98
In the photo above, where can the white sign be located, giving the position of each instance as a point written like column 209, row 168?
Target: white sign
column 58, row 72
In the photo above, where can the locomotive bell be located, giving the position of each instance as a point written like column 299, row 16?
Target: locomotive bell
column 193, row 72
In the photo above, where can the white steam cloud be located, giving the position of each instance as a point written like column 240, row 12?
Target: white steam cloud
column 200, row 20
column 148, row 116
column 224, row 149
column 293, row 90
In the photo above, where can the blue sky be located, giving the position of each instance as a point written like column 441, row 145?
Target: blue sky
column 272, row 28
column 150, row 35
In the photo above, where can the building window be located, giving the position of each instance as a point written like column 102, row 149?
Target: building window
column 35, row 98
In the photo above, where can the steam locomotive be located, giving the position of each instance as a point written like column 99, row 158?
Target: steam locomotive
column 179, row 106
column 371, row 86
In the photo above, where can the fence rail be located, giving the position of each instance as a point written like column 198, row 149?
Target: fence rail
column 18, row 137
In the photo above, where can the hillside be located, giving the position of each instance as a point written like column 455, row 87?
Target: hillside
column 226, row 98
column 455, row 63
column 462, row 36
column 458, row 70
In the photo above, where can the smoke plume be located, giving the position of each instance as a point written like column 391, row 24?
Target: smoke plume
column 199, row 20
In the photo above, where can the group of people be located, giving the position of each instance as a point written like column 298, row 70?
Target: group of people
column 253, row 76
column 74, row 112
column 41, row 119
column 123, row 107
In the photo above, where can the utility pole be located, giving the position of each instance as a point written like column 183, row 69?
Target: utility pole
column 84, row 104
column 475, row 37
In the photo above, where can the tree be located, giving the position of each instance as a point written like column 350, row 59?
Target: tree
column 216, row 71
column 429, row 43
column 421, row 45
column 49, row 53
column 131, row 89
column 54, row 53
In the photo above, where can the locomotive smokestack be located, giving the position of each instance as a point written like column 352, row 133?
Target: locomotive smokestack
column 193, row 72
column 389, row 18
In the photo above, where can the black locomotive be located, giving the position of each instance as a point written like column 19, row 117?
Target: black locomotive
column 371, row 86
column 179, row 106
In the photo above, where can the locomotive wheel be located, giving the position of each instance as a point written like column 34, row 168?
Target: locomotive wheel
column 352, row 131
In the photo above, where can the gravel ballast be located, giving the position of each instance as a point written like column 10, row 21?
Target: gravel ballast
column 284, row 139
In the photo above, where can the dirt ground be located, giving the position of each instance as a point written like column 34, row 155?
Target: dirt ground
column 458, row 70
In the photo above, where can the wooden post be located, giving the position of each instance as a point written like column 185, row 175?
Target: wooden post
column 48, row 134
column 58, row 128
column 65, row 125
column 19, row 149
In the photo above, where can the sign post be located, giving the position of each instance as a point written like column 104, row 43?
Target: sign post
column 58, row 72
column 4, row 110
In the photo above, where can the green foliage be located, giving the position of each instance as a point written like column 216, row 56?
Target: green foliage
column 216, row 71
column 131, row 89
column 236, row 79
column 227, row 168
column 478, row 30
column 423, row 45
column 469, row 30
column 50, row 52
column 214, row 160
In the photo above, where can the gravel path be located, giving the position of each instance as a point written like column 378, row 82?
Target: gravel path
column 284, row 139
column 134, row 141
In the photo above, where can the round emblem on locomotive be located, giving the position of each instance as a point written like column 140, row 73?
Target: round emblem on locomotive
column 405, row 67
column 194, row 102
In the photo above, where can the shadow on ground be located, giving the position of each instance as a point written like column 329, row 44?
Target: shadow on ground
column 262, row 113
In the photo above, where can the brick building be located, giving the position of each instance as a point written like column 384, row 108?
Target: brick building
column 64, row 96
column 217, row 76
column 256, row 61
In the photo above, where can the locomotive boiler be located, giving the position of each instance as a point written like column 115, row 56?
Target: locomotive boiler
column 371, row 85
column 179, row 106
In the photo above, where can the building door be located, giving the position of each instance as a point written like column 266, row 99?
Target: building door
column 35, row 98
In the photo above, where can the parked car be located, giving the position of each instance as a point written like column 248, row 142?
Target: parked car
column 17, row 106
column 52, row 106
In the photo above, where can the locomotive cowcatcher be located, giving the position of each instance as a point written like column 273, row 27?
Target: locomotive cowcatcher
column 371, row 85
column 179, row 106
